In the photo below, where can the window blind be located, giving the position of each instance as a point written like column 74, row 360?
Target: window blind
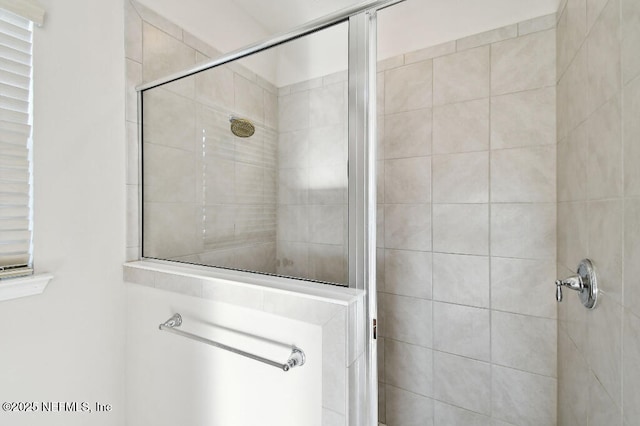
column 15, row 145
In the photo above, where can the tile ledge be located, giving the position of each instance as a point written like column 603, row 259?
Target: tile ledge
column 323, row 292
column 14, row 288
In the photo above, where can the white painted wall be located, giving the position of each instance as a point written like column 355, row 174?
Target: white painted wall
column 68, row 343
column 175, row 381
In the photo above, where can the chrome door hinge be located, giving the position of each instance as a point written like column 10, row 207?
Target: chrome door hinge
column 375, row 329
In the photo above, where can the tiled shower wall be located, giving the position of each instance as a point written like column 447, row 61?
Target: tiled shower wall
column 599, row 209
column 467, row 231
column 210, row 197
column 312, row 179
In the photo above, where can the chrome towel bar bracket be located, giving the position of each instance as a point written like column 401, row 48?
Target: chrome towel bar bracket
column 297, row 357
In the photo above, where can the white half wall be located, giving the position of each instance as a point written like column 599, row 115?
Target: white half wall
column 67, row 344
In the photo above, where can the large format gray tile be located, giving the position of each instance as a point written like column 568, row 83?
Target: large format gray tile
column 604, row 346
column 462, row 382
column 521, row 286
column 461, row 178
column 461, row 228
column 408, row 180
column 630, row 35
column 407, row 409
column 407, row 226
column 572, row 28
column 406, row 319
column 461, row 279
column 631, row 376
column 631, row 255
column 523, row 175
column 450, row 415
column 409, row 367
column 602, row 410
column 524, row 119
column 606, row 245
column 523, row 63
column 603, row 44
column 572, row 165
column 604, row 179
column 462, row 330
column 408, row 273
column 461, row 127
column 523, row 230
column 524, row 342
column 407, row 134
column 631, row 130
column 523, row 398
column 461, row 76
column 408, row 88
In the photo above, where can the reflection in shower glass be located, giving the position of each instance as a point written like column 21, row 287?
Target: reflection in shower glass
column 245, row 164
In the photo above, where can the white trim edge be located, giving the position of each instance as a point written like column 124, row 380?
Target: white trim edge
column 13, row 288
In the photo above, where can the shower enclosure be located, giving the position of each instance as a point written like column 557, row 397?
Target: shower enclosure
column 263, row 161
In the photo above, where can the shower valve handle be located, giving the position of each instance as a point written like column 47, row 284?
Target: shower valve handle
column 574, row 282
column 584, row 282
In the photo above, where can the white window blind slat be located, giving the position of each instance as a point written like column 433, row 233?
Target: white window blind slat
column 15, row 135
column 14, row 116
column 7, row 65
column 11, row 79
column 15, row 55
column 15, row 31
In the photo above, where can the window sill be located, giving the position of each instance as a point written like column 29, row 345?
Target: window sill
column 14, row 288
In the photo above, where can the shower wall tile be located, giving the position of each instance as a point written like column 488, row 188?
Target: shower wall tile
column 461, row 178
column 523, row 398
column 631, row 358
column 523, row 63
column 133, row 153
column 132, row 33
column 334, row 95
column 406, row 180
column 407, row 134
column 249, row 99
column 407, row 319
column 461, row 228
column 409, row 367
column 630, row 36
column 462, row 382
column 524, row 231
column 293, row 112
column 572, row 29
column 572, row 181
column 445, row 414
column 162, row 55
column 149, row 16
column 631, row 130
column 523, row 175
column 524, row 342
column 520, row 286
column 603, row 45
column 407, row 409
column 134, row 77
column 407, row 226
column 461, row 127
column 604, row 130
column 602, row 409
column 430, row 52
column 461, row 279
column 408, row 273
column 534, row 25
column 606, row 244
column 524, row 119
column 462, row 330
column 487, row 37
column 461, row 76
column 631, row 270
column 409, row 87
